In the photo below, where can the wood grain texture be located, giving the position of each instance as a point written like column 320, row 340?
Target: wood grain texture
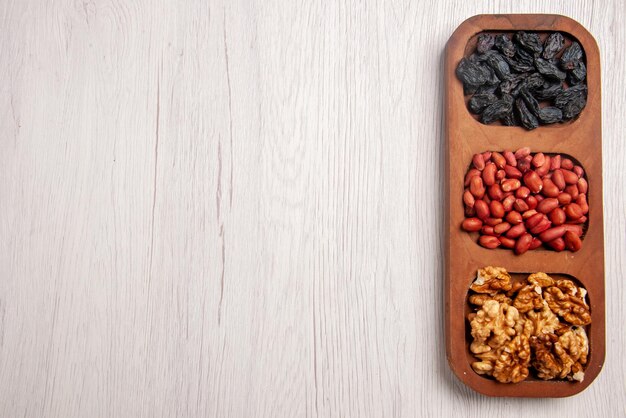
column 234, row 209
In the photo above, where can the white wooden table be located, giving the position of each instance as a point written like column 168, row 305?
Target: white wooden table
column 234, row 209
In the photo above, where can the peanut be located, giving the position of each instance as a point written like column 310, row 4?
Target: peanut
column 507, row 202
column 472, row 224
column 522, row 200
column 538, row 159
column 569, row 176
column 532, row 201
column 471, row 173
column 482, row 209
column 512, row 172
column 520, row 205
column 496, row 209
column 540, row 227
column 557, row 216
column 578, row 221
column 493, row 221
column 522, row 193
column 564, row 198
column 510, row 185
column 523, row 243
column 551, row 233
column 576, row 229
column 567, row 164
column 510, row 158
column 544, row 168
column 514, row 218
column 533, row 220
column 507, row 242
column 533, row 181
column 468, row 198
column 498, row 159
column 536, row 243
column 495, row 192
column 579, row 171
column 476, row 187
column 478, row 161
column 516, row 231
column 487, row 230
column 489, row 174
column 558, row 179
column 547, row 205
column 572, row 189
column 489, row 241
column 557, row 245
column 528, row 214
column 501, row 228
column 572, row 241
column 581, row 201
column 549, row 188
column 573, row 211
column 522, row 152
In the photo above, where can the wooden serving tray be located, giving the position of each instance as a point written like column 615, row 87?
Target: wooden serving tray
column 465, row 136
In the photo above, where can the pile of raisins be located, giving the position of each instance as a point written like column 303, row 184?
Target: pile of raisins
column 524, row 81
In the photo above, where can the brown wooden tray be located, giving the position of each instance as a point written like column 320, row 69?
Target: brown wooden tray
column 466, row 136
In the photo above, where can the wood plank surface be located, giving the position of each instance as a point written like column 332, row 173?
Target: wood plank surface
column 234, row 209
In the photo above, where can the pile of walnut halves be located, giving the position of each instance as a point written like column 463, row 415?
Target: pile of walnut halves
column 537, row 323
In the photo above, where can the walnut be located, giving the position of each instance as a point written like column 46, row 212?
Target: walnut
column 522, row 324
column 513, row 359
column 540, row 279
column 561, row 357
column 491, row 280
column 542, row 322
column 573, row 348
column 545, row 362
column 481, row 298
column 568, row 301
column 493, row 325
column 486, row 363
column 528, row 298
column 515, row 287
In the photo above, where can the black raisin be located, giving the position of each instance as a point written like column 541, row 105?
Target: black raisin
column 532, row 82
column 479, row 102
column 485, row 42
column 526, row 118
column 572, row 101
column 531, row 103
column 472, row 75
column 505, row 45
column 553, row 45
column 524, row 57
column 509, row 119
column 548, row 115
column 578, row 73
column 496, row 110
column 548, row 91
column 529, row 41
column 572, row 53
column 549, row 70
column 496, row 61
column 508, row 86
column 519, row 66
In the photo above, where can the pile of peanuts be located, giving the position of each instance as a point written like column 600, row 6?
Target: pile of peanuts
column 522, row 200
